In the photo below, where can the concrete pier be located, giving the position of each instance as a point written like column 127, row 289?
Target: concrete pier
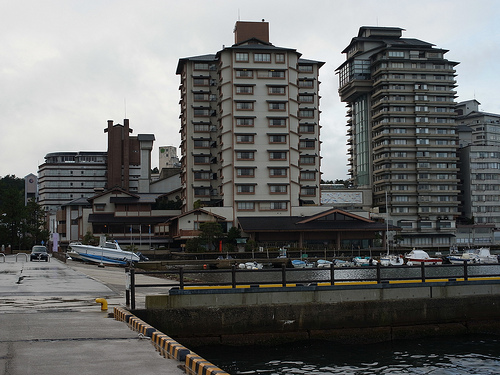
column 51, row 324
column 349, row 313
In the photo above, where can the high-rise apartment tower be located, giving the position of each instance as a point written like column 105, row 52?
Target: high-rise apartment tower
column 250, row 127
column 400, row 95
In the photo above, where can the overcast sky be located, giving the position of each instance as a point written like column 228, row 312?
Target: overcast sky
column 68, row 66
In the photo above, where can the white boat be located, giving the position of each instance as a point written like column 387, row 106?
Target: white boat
column 107, row 253
column 481, row 255
column 250, row 266
column 416, row 257
column 364, row 261
column 323, row 263
column 392, row 260
column 297, row 263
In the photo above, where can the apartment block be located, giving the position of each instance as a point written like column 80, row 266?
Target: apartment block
column 250, row 127
column 402, row 135
column 479, row 134
column 66, row 176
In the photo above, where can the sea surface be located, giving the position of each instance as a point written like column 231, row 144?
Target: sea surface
column 449, row 355
column 455, row 355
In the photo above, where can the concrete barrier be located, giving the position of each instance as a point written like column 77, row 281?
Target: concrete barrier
column 195, row 365
column 140, row 326
column 168, row 347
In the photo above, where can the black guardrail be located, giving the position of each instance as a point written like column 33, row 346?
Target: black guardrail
column 183, row 280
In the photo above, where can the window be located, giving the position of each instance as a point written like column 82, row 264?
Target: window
column 396, row 54
column 202, row 176
column 277, row 155
column 305, row 159
column 278, row 189
column 277, row 139
column 420, row 86
column 201, row 143
column 306, row 83
column 245, row 155
column 307, row 144
column 245, row 172
column 244, row 73
column 201, row 127
column 423, row 154
column 310, row 191
column 305, row 68
column 276, row 90
column 244, row 106
column 306, row 113
column 201, row 112
column 244, row 139
column 246, row 206
column 280, row 58
column 201, row 66
column 245, row 189
column 200, row 97
column 422, row 141
column 201, row 192
column 241, row 56
column 197, row 81
column 277, row 205
column 262, row 57
column 399, row 141
column 277, row 172
column 397, row 65
column 306, row 98
column 271, row 73
column 307, row 175
column 244, row 121
column 244, row 89
column 277, row 106
column 198, row 159
column 277, row 122
column 306, row 128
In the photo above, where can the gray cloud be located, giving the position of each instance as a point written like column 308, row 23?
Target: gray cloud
column 68, row 66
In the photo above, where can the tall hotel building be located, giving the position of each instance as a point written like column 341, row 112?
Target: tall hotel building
column 250, row 127
column 400, row 95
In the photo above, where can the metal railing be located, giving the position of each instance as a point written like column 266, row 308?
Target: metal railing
column 183, row 281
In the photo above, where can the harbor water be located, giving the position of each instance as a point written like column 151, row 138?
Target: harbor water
column 448, row 355
column 458, row 355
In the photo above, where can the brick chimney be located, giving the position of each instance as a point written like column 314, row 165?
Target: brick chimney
column 244, row 30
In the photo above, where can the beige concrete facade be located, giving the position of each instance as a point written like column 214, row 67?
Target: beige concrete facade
column 250, row 128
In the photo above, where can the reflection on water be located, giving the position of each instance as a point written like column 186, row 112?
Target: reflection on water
column 462, row 355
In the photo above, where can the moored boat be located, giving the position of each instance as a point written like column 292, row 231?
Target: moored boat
column 250, row 266
column 297, row 263
column 106, row 253
column 392, row 260
column 364, row 261
column 417, row 256
column 481, row 255
column 323, row 263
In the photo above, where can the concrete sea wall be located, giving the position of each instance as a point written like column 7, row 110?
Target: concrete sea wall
column 345, row 314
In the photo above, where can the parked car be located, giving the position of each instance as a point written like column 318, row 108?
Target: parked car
column 39, row 252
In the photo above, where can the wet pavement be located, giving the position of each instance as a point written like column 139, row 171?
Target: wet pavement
column 51, row 324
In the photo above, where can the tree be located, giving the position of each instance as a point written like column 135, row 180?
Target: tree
column 211, row 234
column 232, row 235
column 34, row 224
column 11, row 210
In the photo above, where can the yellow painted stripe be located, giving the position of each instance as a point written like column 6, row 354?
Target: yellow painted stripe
column 205, row 287
column 355, row 283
